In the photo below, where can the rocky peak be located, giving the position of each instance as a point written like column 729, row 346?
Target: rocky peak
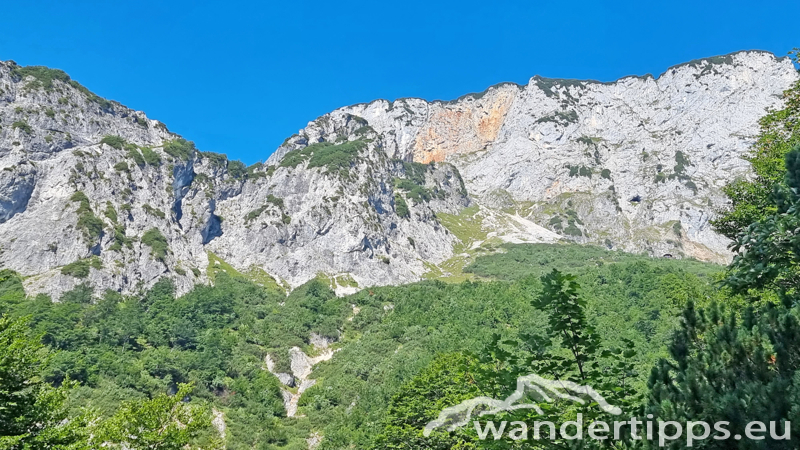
column 380, row 193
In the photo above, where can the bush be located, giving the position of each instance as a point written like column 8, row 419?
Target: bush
column 414, row 191
column 237, row 169
column 88, row 223
column 215, row 159
column 150, row 157
column 114, row 141
column 277, row 201
column 111, row 212
column 180, row 149
column 43, row 76
column 120, row 239
column 153, row 212
column 157, row 243
column 400, row 206
column 334, row 158
column 252, row 215
column 136, row 155
column 80, row 268
column 22, row 125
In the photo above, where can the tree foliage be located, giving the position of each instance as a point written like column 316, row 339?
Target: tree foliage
column 751, row 201
column 165, row 422
column 737, row 365
column 32, row 413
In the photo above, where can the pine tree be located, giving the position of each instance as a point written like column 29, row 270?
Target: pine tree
column 743, row 366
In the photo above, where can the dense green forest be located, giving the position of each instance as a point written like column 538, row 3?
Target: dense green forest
column 117, row 349
column 676, row 339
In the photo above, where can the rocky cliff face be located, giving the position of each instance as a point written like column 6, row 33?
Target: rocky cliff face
column 636, row 164
column 92, row 192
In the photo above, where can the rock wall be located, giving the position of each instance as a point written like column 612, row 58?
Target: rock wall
column 637, row 164
column 93, row 192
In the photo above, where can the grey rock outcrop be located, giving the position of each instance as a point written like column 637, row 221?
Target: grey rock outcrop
column 93, row 192
column 637, row 164
column 89, row 183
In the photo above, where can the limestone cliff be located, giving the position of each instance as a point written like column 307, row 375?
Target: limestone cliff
column 637, row 164
column 94, row 192
column 379, row 193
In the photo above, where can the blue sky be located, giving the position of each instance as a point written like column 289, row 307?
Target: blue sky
column 238, row 77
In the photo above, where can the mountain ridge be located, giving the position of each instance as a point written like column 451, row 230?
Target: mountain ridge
column 375, row 193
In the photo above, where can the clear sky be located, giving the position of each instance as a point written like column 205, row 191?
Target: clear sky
column 238, row 77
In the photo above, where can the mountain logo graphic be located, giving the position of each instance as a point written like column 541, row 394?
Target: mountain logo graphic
column 459, row 415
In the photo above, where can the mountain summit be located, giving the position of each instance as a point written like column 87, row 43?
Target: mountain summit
column 379, row 193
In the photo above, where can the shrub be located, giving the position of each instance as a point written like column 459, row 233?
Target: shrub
column 572, row 230
column 80, row 268
column 180, row 149
column 254, row 172
column 153, row 211
column 334, row 158
column 681, row 162
column 150, row 156
column 237, row 169
column 114, row 141
column 110, row 212
column 120, row 239
column 415, row 172
column 141, row 122
column 252, row 215
column 413, row 191
column 157, row 243
column 88, row 223
column 22, row 125
column 43, row 76
column 562, row 118
column 400, row 206
column 215, row 159
column 122, row 166
column 581, row 171
column 136, row 155
column 277, row 201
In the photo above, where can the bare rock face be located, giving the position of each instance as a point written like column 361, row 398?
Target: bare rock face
column 93, row 192
column 636, row 164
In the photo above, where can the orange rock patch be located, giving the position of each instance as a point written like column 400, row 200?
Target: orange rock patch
column 462, row 128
